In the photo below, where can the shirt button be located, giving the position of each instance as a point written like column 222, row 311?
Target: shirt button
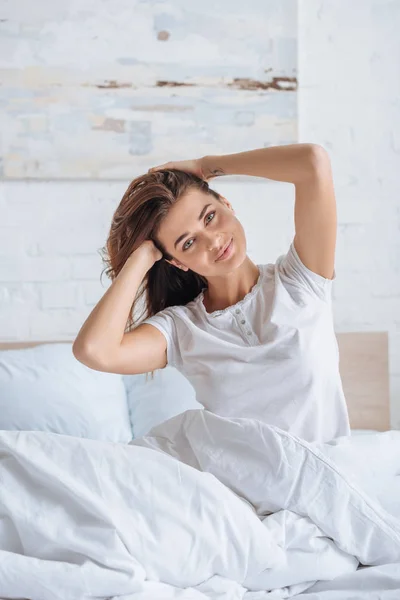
column 243, row 322
column 248, row 332
column 237, row 311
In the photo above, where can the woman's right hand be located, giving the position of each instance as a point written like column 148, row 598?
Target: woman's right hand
column 148, row 252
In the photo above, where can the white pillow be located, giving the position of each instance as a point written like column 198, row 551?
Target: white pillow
column 156, row 400
column 45, row 388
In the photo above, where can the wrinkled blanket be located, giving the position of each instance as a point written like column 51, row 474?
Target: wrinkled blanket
column 202, row 507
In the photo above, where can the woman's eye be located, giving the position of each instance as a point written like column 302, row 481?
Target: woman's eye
column 185, row 247
column 211, row 213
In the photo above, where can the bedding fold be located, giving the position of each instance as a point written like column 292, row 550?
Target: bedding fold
column 202, row 507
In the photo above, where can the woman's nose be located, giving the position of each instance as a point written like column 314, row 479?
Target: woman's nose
column 215, row 243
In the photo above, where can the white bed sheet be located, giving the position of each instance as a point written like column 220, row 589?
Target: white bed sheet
column 81, row 519
column 367, row 583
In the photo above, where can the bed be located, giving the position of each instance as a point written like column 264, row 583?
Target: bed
column 98, row 482
column 364, row 371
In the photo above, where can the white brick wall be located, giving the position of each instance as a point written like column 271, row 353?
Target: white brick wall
column 349, row 64
column 349, row 101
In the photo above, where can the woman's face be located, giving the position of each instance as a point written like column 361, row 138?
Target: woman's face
column 197, row 229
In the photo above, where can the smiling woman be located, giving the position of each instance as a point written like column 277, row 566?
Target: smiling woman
column 202, row 242
column 207, row 238
column 254, row 340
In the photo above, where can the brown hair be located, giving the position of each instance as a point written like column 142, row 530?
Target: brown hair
column 137, row 218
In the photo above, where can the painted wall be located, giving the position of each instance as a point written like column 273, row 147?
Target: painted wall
column 97, row 90
column 349, row 100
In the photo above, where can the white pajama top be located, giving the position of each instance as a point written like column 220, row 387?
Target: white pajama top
column 272, row 356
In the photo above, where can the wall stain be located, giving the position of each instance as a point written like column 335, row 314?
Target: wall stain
column 286, row 84
column 244, row 83
column 174, row 84
column 117, row 125
column 163, row 36
column 112, row 84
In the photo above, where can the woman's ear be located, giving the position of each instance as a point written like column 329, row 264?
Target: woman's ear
column 227, row 204
column 176, row 263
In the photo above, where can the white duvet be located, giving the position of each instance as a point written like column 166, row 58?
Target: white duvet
column 203, row 507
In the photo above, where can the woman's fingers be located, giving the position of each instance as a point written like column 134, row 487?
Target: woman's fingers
column 167, row 165
column 188, row 166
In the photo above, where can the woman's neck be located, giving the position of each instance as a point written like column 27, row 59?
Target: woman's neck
column 226, row 290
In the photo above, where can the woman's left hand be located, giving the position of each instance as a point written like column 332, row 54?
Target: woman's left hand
column 195, row 166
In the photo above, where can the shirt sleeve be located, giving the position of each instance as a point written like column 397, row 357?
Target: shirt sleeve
column 164, row 321
column 292, row 268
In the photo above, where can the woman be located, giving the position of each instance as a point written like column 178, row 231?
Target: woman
column 254, row 340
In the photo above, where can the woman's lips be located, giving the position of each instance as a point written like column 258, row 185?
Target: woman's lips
column 227, row 252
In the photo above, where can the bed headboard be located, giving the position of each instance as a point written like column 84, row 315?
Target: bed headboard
column 364, row 371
